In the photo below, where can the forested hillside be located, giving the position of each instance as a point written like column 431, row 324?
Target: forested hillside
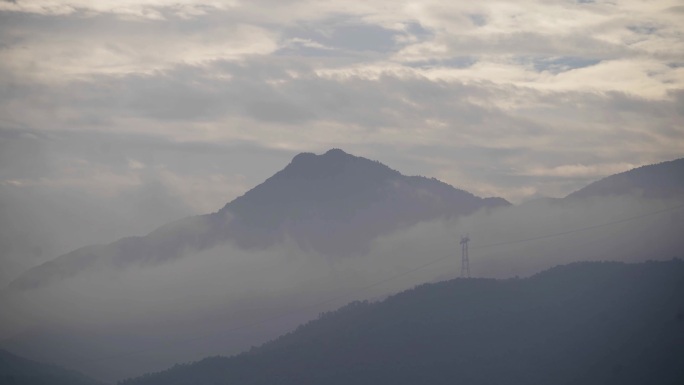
column 16, row 370
column 584, row 323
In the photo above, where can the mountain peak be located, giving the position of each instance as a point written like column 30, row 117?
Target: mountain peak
column 331, row 156
column 334, row 203
column 303, row 157
column 337, row 203
column 310, row 156
column 307, row 165
column 335, row 152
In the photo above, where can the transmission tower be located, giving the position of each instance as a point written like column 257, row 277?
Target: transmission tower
column 465, row 263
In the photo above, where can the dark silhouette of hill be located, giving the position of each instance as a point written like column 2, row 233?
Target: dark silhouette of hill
column 334, row 204
column 583, row 323
column 16, row 370
column 662, row 180
column 337, row 203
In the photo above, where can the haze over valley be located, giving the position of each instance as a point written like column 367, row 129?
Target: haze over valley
column 269, row 191
column 326, row 230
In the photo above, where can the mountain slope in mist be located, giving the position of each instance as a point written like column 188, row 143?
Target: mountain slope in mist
column 15, row 370
column 337, row 203
column 662, row 180
column 334, row 204
column 608, row 323
column 88, row 321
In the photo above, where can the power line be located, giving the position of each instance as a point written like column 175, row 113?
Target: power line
column 378, row 283
column 573, row 231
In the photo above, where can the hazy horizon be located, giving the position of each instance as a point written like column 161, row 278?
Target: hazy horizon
column 128, row 127
column 148, row 111
column 227, row 298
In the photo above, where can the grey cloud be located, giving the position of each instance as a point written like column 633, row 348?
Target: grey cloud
column 112, row 124
column 22, row 154
column 451, row 62
column 462, row 131
column 644, row 29
column 40, row 222
column 45, row 154
column 346, row 33
column 478, row 19
column 349, row 38
column 217, row 290
column 561, row 64
column 538, row 44
column 264, row 90
column 417, row 30
column 63, row 190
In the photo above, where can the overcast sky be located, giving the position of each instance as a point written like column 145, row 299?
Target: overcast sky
column 150, row 110
column 117, row 116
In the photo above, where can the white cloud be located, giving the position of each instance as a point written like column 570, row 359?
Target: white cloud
column 119, row 116
column 580, row 170
column 517, row 86
column 139, row 48
column 146, row 9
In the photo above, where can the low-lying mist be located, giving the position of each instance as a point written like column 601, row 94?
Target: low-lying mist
column 113, row 323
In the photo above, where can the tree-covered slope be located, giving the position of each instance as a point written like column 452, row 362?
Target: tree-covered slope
column 16, row 370
column 661, row 180
column 584, row 323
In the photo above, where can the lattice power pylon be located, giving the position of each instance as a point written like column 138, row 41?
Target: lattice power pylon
column 465, row 263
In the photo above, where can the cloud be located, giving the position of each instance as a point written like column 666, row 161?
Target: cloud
column 62, row 52
column 579, row 170
column 118, row 116
column 146, row 9
column 63, row 190
column 216, row 301
column 287, row 104
column 205, row 99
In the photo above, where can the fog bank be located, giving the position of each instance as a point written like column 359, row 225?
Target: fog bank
column 113, row 323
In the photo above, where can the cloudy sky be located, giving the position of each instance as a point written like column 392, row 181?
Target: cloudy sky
column 143, row 111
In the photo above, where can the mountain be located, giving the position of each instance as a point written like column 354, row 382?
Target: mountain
column 335, row 204
column 662, row 180
column 591, row 323
column 15, row 370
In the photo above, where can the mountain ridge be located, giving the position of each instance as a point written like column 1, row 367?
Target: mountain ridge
column 586, row 322
column 22, row 371
column 658, row 180
column 334, row 204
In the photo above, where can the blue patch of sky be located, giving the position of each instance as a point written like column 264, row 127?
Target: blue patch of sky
column 418, row 31
column 452, row 62
column 298, row 49
column 346, row 34
column 478, row 19
column 361, row 37
column 643, row 29
column 557, row 65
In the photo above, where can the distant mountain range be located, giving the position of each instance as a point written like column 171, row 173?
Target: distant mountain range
column 662, row 180
column 16, row 370
column 583, row 323
column 335, row 204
